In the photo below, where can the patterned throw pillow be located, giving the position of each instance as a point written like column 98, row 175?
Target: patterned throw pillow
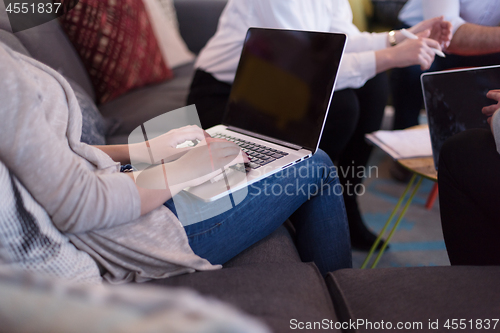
column 117, row 45
column 166, row 27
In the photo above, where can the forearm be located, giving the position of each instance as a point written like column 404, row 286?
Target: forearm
column 385, row 59
column 153, row 188
column 159, row 183
column 472, row 39
column 118, row 153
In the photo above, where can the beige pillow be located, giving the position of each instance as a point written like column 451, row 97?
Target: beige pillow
column 169, row 11
column 166, row 28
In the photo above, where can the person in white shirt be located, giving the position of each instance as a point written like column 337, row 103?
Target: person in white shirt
column 360, row 97
column 475, row 42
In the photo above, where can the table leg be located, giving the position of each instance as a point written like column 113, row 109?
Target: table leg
column 398, row 221
column 389, row 220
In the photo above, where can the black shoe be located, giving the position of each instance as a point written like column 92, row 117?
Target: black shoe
column 363, row 240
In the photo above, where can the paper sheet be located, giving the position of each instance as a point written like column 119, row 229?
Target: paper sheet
column 402, row 144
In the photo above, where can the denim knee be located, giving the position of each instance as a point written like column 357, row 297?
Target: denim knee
column 322, row 167
column 321, row 158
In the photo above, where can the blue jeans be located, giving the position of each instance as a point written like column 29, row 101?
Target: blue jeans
column 308, row 193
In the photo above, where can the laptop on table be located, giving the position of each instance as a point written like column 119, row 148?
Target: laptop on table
column 454, row 99
column 278, row 104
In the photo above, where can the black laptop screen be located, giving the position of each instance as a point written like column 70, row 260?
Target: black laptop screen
column 454, row 99
column 284, row 84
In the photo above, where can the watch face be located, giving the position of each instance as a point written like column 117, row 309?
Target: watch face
column 392, row 38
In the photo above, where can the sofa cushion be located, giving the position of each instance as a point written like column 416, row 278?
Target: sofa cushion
column 48, row 44
column 117, row 44
column 141, row 105
column 416, row 294
column 274, row 293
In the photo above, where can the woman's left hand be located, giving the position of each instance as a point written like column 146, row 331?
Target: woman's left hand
column 439, row 28
column 164, row 146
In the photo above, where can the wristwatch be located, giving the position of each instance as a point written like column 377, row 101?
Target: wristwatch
column 392, row 38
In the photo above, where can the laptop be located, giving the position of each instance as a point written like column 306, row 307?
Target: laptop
column 278, row 104
column 454, row 99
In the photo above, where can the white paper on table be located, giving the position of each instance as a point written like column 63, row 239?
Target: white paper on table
column 408, row 143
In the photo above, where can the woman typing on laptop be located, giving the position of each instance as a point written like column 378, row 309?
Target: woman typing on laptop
column 114, row 224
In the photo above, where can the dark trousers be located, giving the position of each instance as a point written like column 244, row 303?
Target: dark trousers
column 469, row 186
column 210, row 97
column 353, row 113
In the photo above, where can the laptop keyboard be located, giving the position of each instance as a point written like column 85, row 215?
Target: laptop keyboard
column 259, row 155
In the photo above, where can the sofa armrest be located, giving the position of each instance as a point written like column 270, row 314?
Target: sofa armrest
column 198, row 20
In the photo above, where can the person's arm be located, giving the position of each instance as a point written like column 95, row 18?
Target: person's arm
column 76, row 198
column 159, row 183
column 493, row 114
column 358, row 67
column 160, row 148
column 118, row 153
column 472, row 39
column 450, row 9
column 468, row 39
column 409, row 52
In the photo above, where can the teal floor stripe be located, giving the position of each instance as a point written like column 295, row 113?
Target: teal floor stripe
column 417, row 246
column 421, row 198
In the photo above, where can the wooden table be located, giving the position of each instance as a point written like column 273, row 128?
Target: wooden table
column 421, row 168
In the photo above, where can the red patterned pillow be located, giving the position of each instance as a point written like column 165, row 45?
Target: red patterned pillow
column 117, row 45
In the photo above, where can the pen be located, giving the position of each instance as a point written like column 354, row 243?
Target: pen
column 410, row 35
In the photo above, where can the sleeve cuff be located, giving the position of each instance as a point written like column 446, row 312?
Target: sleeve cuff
column 456, row 22
column 495, row 126
column 356, row 69
column 379, row 41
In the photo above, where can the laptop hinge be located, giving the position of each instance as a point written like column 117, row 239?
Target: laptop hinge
column 263, row 137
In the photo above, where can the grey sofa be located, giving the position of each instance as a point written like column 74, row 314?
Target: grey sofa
column 269, row 280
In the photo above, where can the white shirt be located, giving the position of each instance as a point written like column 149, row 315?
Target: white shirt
column 221, row 55
column 458, row 12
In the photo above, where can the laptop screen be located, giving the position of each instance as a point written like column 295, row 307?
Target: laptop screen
column 284, row 84
column 454, row 99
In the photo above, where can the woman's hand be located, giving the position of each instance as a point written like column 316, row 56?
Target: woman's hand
column 416, row 51
column 159, row 183
column 204, row 162
column 489, row 111
column 440, row 30
column 164, row 146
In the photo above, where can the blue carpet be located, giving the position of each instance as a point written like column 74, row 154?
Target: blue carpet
column 418, row 240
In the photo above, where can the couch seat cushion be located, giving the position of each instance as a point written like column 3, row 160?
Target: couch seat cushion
column 416, row 294
column 276, row 293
